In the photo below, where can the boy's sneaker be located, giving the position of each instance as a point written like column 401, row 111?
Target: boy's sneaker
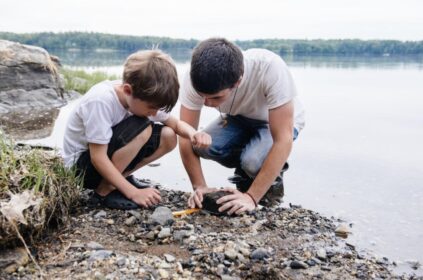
column 274, row 195
column 114, row 200
column 139, row 184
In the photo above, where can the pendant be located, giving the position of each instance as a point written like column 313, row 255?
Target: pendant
column 224, row 122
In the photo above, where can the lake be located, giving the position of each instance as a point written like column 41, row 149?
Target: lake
column 359, row 158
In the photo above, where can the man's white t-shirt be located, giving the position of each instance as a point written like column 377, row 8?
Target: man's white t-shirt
column 92, row 119
column 266, row 84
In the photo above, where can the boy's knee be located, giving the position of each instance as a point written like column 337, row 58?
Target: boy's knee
column 168, row 138
column 145, row 134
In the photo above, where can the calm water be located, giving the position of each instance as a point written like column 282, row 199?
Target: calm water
column 359, row 157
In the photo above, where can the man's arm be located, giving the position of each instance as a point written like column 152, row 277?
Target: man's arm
column 191, row 161
column 281, row 128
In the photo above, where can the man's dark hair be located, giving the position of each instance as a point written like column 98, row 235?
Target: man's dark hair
column 216, row 64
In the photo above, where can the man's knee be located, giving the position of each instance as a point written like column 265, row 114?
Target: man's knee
column 168, row 138
column 251, row 166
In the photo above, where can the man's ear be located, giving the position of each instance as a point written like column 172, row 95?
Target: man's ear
column 238, row 82
column 127, row 89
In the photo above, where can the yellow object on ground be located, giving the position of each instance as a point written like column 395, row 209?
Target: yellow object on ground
column 185, row 212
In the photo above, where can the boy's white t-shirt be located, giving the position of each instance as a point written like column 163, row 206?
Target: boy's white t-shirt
column 92, row 119
column 266, row 84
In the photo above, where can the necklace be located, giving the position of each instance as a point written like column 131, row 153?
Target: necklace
column 225, row 119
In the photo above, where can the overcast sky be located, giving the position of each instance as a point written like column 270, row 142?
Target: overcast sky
column 234, row 19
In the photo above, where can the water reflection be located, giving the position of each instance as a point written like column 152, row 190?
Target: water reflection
column 99, row 58
column 25, row 124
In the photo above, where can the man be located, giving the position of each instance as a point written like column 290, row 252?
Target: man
column 260, row 117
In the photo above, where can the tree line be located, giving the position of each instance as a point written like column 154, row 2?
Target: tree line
column 94, row 40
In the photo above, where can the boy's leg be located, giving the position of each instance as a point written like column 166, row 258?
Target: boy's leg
column 163, row 140
column 228, row 141
column 132, row 134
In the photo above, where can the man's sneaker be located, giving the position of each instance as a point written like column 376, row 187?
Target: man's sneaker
column 274, row 195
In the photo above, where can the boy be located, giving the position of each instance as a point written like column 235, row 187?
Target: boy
column 113, row 131
column 260, row 116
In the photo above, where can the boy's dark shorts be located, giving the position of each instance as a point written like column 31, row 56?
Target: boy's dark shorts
column 123, row 133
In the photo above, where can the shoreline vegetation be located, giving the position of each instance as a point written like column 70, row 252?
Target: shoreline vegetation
column 102, row 42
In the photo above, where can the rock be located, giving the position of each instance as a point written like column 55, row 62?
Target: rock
column 179, row 235
column 209, row 202
column 298, row 265
column 99, row 255
column 94, row 245
column 162, row 216
column 130, row 221
column 163, row 273
column 321, row 254
column 30, row 86
column 165, row 232
column 260, row 254
column 11, row 260
column 342, row 231
column 169, row 258
column 231, row 254
column 100, row 214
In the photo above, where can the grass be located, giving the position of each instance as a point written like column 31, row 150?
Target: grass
column 42, row 171
column 82, row 81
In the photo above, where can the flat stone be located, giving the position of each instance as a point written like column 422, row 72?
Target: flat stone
column 94, row 245
column 298, row 265
column 99, row 255
column 260, row 254
column 165, row 232
column 162, row 216
column 169, row 258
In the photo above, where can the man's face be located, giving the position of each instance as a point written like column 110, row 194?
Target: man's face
column 215, row 100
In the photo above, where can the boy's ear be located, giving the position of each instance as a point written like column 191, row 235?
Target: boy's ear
column 238, row 82
column 127, row 89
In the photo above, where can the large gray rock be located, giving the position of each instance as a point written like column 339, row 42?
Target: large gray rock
column 29, row 78
column 31, row 90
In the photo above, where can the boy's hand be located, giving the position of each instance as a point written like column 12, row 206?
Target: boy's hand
column 201, row 140
column 196, row 198
column 146, row 197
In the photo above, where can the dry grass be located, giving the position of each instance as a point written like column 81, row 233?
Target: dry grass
column 43, row 172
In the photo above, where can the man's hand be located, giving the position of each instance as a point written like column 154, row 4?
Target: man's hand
column 201, row 140
column 146, row 197
column 196, row 198
column 237, row 202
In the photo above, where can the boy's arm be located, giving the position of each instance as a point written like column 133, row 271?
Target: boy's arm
column 197, row 138
column 111, row 173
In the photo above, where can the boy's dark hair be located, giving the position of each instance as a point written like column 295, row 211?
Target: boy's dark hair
column 216, row 64
column 153, row 78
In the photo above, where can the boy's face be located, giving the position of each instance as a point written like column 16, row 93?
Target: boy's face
column 141, row 108
column 137, row 106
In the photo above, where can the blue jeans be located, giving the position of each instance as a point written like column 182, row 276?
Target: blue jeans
column 241, row 143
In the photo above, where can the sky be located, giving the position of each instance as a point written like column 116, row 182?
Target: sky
column 233, row 19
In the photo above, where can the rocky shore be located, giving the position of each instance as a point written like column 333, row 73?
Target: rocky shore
column 279, row 243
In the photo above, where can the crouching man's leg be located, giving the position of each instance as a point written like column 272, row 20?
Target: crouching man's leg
column 252, row 159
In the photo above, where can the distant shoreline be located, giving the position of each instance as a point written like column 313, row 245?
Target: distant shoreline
column 110, row 42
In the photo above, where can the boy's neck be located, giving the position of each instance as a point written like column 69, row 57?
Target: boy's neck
column 121, row 95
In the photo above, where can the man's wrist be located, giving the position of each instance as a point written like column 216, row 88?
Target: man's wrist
column 252, row 198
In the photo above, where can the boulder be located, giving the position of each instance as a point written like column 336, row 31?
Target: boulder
column 30, row 82
column 29, row 77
